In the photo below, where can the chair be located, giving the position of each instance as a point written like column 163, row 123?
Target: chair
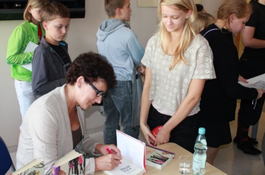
column 6, row 162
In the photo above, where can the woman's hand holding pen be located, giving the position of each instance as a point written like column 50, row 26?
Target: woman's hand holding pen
column 107, row 161
column 103, row 149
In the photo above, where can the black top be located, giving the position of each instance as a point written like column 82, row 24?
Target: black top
column 218, row 101
column 253, row 59
column 63, row 54
column 77, row 136
column 257, row 20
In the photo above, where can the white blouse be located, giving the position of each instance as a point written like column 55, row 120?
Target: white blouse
column 169, row 88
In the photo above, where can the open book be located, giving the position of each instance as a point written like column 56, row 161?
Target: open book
column 133, row 156
column 257, row 82
column 71, row 163
column 157, row 157
column 34, row 167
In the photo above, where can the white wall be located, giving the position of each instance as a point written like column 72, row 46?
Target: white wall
column 81, row 38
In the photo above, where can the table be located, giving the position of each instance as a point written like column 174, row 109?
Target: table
column 172, row 167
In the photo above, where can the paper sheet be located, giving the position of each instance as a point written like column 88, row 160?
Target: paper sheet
column 30, row 48
column 257, row 82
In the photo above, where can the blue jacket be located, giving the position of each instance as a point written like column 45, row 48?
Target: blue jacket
column 118, row 43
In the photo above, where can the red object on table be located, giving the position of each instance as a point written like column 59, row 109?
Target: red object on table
column 155, row 132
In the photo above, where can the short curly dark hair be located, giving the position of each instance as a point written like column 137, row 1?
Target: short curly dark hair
column 92, row 66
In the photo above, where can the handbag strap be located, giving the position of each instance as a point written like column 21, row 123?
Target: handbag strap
column 210, row 31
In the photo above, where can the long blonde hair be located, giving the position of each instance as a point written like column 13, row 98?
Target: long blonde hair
column 33, row 4
column 188, row 33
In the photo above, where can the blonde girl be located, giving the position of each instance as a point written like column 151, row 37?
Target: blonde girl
column 177, row 64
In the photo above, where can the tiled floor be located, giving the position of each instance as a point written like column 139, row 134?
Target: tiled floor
column 230, row 159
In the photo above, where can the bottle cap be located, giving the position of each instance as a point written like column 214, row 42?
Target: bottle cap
column 201, row 131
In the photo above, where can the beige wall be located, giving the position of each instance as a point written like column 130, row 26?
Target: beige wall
column 81, row 38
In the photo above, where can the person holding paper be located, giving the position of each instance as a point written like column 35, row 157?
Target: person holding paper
column 29, row 31
column 55, row 123
column 178, row 62
column 219, row 97
column 51, row 59
column 252, row 63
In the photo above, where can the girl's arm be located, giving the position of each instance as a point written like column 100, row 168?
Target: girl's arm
column 145, row 106
column 194, row 94
column 16, row 46
column 248, row 39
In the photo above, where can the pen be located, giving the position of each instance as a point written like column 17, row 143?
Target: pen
column 110, row 151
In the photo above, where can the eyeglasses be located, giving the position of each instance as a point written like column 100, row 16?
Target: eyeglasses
column 98, row 92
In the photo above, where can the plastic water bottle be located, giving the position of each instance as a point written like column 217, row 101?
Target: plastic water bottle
column 199, row 155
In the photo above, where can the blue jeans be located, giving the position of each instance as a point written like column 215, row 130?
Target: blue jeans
column 118, row 109
column 25, row 95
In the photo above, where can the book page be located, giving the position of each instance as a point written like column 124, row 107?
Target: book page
column 257, row 82
column 30, row 48
column 131, row 148
column 126, row 167
column 133, row 156
column 36, row 166
column 65, row 159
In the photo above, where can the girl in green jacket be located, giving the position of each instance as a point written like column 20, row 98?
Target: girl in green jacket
column 27, row 32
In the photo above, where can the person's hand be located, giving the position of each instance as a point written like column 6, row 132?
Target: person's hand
column 62, row 172
column 242, row 79
column 102, row 149
column 107, row 162
column 162, row 136
column 147, row 134
column 260, row 93
column 141, row 69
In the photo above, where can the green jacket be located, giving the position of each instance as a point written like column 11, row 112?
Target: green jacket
column 17, row 43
